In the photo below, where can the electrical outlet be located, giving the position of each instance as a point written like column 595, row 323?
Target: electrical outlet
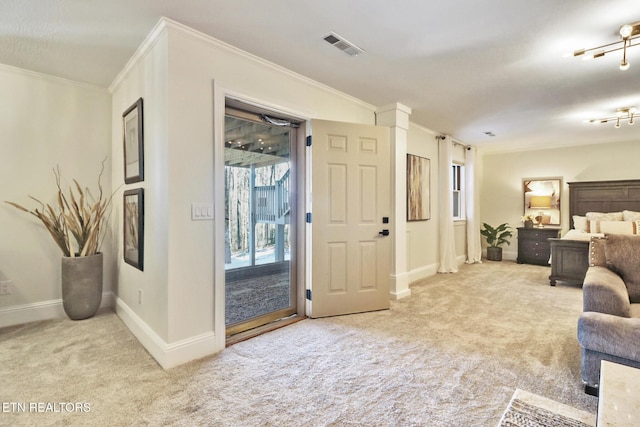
column 139, row 296
column 5, row 288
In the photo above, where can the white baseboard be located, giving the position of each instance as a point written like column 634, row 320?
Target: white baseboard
column 510, row 255
column 431, row 270
column 167, row 355
column 422, row 272
column 399, row 286
column 43, row 310
column 395, row 295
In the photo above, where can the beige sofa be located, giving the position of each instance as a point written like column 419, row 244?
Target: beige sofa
column 609, row 327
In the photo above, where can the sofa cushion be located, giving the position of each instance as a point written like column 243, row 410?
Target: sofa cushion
column 622, row 253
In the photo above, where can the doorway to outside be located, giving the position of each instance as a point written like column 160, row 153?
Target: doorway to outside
column 260, row 212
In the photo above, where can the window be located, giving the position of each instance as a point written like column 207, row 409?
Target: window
column 458, row 192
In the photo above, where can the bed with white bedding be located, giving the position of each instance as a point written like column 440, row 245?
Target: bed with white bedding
column 596, row 208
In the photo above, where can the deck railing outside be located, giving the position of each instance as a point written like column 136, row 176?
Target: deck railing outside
column 272, row 201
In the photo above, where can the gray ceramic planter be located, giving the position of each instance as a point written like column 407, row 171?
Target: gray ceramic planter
column 81, row 286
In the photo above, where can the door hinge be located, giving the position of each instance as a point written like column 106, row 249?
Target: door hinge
column 308, row 217
column 309, row 141
column 309, row 294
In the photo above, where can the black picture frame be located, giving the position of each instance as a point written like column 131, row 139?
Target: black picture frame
column 418, row 188
column 133, row 143
column 133, row 227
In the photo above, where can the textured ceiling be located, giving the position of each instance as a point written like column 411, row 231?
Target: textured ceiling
column 464, row 67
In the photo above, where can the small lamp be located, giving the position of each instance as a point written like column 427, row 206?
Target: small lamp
column 540, row 202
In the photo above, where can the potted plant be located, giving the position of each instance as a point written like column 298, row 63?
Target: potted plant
column 495, row 237
column 76, row 217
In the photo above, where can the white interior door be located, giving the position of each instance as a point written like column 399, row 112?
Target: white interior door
column 350, row 205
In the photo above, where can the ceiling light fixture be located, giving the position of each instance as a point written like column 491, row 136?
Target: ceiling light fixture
column 628, row 33
column 621, row 114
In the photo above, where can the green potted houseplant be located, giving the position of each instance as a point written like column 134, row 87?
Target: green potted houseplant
column 495, row 237
column 75, row 221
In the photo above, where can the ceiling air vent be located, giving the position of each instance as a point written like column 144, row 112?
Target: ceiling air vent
column 345, row 46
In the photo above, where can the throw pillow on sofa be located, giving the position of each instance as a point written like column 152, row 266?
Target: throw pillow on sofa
column 622, row 252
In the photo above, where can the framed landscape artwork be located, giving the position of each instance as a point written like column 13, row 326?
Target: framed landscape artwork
column 418, row 188
column 133, row 138
column 133, row 227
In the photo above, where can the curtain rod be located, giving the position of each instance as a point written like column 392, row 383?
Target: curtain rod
column 468, row 147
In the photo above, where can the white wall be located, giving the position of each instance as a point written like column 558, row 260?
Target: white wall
column 147, row 78
column 181, row 76
column 44, row 122
column 501, row 193
column 422, row 236
column 423, row 251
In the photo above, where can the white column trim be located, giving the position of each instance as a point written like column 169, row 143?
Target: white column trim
column 396, row 117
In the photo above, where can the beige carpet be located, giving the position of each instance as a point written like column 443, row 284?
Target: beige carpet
column 452, row 354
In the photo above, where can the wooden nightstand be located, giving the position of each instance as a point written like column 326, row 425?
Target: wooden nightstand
column 533, row 246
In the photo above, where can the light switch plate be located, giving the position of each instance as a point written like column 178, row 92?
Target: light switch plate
column 201, row 211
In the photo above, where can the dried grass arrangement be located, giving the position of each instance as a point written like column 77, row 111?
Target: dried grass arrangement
column 76, row 214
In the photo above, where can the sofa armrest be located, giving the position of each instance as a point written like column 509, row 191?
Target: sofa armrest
column 604, row 333
column 604, row 291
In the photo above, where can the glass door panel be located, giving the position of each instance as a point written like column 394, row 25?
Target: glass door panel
column 258, row 244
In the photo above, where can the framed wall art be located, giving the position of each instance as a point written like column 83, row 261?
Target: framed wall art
column 418, row 188
column 133, row 140
column 133, row 227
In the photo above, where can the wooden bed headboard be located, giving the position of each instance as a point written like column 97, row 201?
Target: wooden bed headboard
column 603, row 196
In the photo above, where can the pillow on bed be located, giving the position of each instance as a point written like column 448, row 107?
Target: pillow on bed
column 601, row 216
column 630, row 215
column 616, row 227
column 597, row 255
column 574, row 234
column 581, row 223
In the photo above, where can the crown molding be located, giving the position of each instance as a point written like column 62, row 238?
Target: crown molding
column 165, row 24
column 50, row 78
column 149, row 42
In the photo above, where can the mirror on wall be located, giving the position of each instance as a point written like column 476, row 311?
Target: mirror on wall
column 542, row 200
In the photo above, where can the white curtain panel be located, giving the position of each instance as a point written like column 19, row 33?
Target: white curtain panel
column 472, row 206
column 448, row 263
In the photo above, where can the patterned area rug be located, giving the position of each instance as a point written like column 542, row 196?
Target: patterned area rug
column 530, row 410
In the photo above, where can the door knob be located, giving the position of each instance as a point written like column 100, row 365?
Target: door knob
column 384, row 232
